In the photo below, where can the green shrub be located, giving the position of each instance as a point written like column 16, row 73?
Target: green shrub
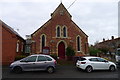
column 93, row 51
column 54, row 56
column 70, row 51
column 20, row 57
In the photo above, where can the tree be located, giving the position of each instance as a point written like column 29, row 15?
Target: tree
column 104, row 48
column 93, row 51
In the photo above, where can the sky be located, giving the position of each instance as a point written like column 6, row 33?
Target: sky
column 97, row 18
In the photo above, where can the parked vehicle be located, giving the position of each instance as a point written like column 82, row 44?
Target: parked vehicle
column 117, row 56
column 34, row 63
column 95, row 63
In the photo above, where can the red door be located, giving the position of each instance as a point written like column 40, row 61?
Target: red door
column 61, row 50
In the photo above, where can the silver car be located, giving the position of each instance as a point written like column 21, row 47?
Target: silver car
column 34, row 63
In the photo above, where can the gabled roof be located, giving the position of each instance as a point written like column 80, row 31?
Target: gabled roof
column 61, row 6
column 79, row 28
column 107, row 41
column 11, row 29
column 40, row 27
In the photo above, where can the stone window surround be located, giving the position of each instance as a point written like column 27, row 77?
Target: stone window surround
column 61, row 31
column 77, row 44
column 41, row 41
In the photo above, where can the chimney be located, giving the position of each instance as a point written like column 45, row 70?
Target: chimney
column 103, row 39
column 112, row 37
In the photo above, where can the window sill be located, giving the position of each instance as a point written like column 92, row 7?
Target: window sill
column 61, row 37
column 79, row 51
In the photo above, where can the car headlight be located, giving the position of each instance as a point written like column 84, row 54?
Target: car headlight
column 11, row 65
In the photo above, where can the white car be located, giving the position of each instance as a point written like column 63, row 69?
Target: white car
column 95, row 63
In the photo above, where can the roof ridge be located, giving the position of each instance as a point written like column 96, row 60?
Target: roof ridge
column 11, row 29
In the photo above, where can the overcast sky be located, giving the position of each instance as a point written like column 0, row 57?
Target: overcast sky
column 97, row 18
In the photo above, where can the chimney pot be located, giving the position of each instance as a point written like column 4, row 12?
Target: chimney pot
column 112, row 37
column 103, row 39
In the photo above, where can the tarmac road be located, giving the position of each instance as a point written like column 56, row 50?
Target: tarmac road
column 61, row 72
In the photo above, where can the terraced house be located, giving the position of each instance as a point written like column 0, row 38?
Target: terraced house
column 58, row 33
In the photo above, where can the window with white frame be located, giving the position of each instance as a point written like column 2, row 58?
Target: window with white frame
column 17, row 48
column 22, row 46
column 43, row 41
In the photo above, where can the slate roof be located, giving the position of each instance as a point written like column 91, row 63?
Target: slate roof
column 11, row 29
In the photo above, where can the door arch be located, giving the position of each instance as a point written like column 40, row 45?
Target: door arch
column 61, row 50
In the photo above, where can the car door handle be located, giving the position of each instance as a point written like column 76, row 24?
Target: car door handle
column 45, row 62
column 33, row 63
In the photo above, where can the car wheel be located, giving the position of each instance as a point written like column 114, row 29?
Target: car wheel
column 17, row 70
column 112, row 68
column 50, row 69
column 77, row 68
column 89, row 69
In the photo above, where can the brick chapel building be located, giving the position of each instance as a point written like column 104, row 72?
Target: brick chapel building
column 58, row 33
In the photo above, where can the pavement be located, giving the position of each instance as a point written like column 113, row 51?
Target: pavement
column 66, row 71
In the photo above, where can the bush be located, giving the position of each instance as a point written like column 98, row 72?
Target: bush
column 54, row 56
column 93, row 51
column 20, row 57
column 70, row 52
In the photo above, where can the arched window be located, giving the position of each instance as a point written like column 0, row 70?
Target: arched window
column 17, row 48
column 58, row 31
column 64, row 32
column 43, row 41
column 78, row 43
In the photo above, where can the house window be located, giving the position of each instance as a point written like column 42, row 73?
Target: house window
column 17, row 48
column 64, row 32
column 78, row 43
column 58, row 31
column 27, row 49
column 22, row 46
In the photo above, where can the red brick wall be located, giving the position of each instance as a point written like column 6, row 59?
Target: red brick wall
column 8, row 46
column 9, row 41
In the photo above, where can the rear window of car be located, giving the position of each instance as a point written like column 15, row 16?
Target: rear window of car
column 41, row 58
column 82, row 59
column 48, row 59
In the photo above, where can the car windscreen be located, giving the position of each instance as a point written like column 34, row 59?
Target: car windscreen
column 41, row 58
column 48, row 58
